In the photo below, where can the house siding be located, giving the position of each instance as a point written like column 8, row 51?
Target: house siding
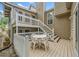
column 62, row 24
column 40, row 11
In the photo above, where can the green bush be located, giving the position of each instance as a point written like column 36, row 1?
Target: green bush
column 6, row 42
column 7, row 39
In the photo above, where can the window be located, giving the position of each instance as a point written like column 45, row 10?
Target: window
column 49, row 18
column 27, row 20
column 20, row 18
column 27, row 30
column 20, row 31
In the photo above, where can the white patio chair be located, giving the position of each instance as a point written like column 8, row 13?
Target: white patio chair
column 45, row 42
column 34, row 41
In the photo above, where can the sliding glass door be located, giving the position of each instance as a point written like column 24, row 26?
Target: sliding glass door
column 78, row 29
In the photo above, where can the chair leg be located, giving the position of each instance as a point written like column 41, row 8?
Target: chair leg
column 34, row 46
column 46, row 46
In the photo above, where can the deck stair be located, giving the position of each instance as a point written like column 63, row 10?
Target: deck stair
column 32, row 22
column 56, row 38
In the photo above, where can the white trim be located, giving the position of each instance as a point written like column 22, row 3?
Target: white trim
column 75, row 8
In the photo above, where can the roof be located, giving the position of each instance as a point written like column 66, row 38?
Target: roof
column 19, row 7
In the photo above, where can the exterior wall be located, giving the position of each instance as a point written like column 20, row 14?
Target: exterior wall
column 26, row 12
column 40, row 11
column 16, row 9
column 46, row 18
column 60, row 8
column 73, row 23
column 61, row 24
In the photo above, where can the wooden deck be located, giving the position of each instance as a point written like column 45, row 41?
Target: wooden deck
column 63, row 48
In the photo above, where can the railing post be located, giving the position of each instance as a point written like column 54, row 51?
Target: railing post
column 16, row 18
column 16, row 23
column 30, row 21
column 38, row 27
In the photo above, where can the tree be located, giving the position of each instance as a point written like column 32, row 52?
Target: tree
column 4, row 22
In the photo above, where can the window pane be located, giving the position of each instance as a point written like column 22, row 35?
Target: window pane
column 20, row 31
column 20, row 18
column 50, row 18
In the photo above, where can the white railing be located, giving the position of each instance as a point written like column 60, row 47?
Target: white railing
column 27, row 20
column 31, row 21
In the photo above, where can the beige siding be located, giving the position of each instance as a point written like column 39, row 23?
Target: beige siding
column 62, row 27
column 62, row 23
column 40, row 11
column 60, row 8
column 26, row 12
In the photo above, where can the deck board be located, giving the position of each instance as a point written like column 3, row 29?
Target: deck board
column 63, row 48
column 60, row 51
column 57, row 49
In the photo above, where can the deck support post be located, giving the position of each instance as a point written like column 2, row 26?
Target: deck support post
column 16, row 29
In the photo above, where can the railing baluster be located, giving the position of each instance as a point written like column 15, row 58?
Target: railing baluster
column 31, row 21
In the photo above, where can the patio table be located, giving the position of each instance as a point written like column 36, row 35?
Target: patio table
column 40, row 38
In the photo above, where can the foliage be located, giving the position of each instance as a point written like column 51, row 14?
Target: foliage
column 4, row 22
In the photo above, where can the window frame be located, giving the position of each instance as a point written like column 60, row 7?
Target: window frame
column 48, row 20
column 20, row 18
column 20, row 31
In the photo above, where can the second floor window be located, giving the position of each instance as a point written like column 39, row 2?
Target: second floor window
column 20, row 18
column 49, row 18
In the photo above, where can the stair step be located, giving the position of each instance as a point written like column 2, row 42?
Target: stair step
column 51, row 40
column 55, row 34
column 57, row 39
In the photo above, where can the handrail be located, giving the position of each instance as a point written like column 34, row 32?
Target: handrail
column 45, row 25
column 38, row 21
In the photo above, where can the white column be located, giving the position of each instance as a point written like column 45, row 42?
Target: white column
column 38, row 27
column 16, row 29
column 16, row 23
